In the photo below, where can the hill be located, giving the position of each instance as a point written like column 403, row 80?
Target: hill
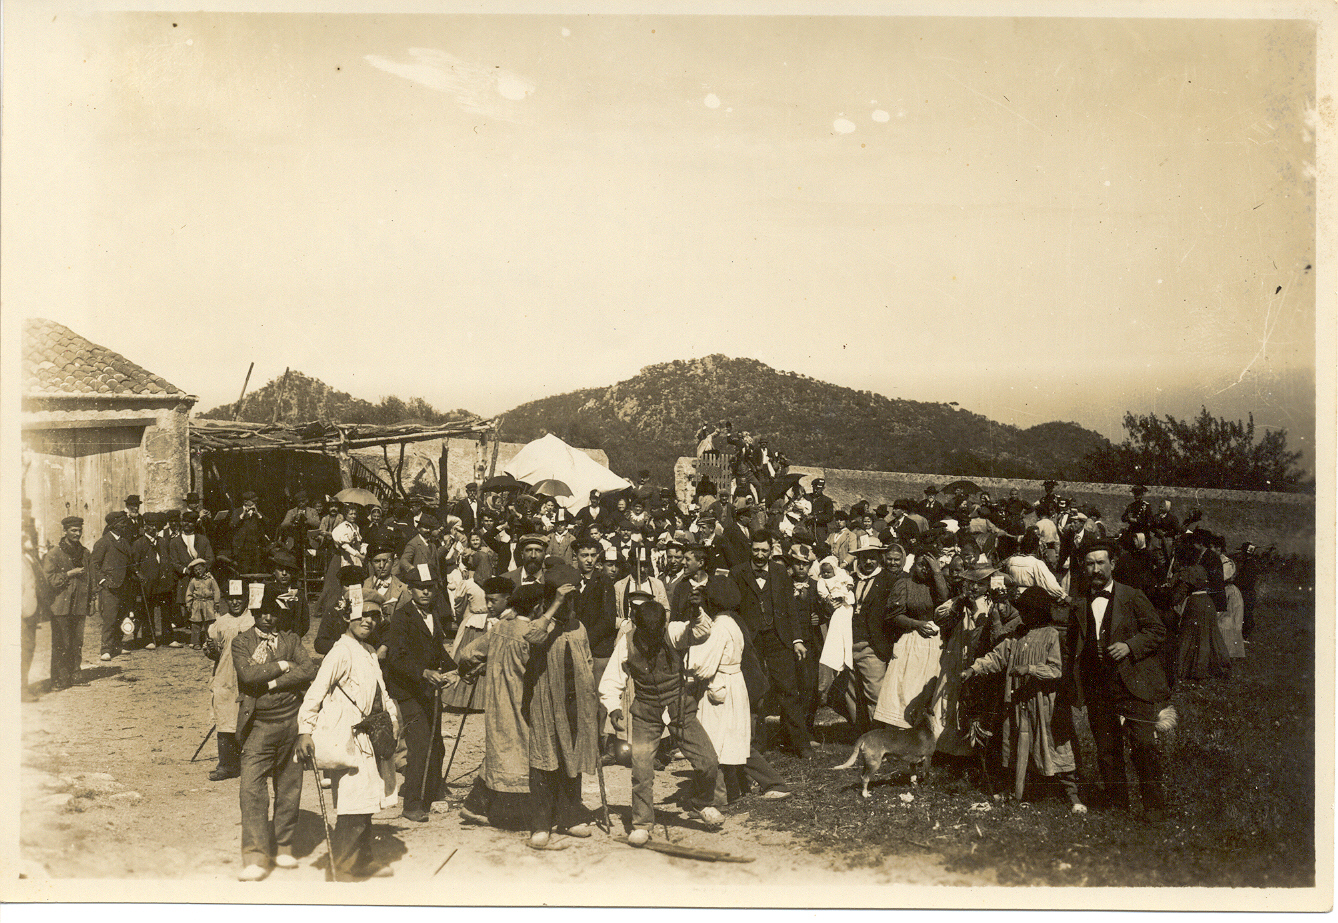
column 651, row 419
column 302, row 399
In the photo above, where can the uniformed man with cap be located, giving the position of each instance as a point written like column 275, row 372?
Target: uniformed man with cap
column 70, row 576
column 1138, row 516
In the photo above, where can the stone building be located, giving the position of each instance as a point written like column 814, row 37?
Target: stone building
column 96, row 428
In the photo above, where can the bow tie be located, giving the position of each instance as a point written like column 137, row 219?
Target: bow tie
column 1101, row 594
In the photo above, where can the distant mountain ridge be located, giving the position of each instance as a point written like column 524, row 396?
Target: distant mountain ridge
column 651, row 419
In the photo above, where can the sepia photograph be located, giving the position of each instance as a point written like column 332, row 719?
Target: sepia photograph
column 856, row 455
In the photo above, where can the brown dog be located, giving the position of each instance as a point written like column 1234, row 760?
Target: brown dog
column 912, row 746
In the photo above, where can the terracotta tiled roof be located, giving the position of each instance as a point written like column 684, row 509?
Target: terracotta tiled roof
column 57, row 362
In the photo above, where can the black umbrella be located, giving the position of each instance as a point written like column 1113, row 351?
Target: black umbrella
column 967, row 487
column 502, row 482
column 781, row 485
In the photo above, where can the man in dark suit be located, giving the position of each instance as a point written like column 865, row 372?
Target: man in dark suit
column 190, row 543
column 273, row 671
column 416, row 666
column 766, row 615
column 871, row 629
column 117, row 585
column 823, row 508
column 810, row 615
column 1117, row 674
column 467, row 507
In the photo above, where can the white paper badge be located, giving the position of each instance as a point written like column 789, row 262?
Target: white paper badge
column 235, row 588
column 424, row 572
column 355, row 596
column 257, row 596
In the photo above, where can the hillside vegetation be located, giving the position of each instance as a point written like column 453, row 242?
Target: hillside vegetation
column 652, row 419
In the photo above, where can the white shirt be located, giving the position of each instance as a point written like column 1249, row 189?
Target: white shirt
column 1099, row 605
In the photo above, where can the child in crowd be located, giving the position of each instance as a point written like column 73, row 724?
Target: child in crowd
column 203, row 601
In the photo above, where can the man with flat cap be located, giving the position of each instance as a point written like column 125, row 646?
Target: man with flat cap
column 70, row 576
column 416, row 667
column 530, row 551
column 115, row 578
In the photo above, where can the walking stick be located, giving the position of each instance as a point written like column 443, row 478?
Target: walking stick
column 205, row 741
column 599, row 772
column 473, row 688
column 433, row 729
column 329, row 839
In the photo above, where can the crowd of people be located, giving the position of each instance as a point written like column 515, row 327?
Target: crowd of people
column 640, row 627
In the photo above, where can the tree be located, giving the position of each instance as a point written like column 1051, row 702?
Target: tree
column 1205, row 452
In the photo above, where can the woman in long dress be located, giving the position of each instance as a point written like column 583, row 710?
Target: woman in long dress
column 1033, row 731
column 1200, row 653
column 348, row 687
column 915, row 655
column 718, row 661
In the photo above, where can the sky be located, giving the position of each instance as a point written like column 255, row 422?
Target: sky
column 1037, row 218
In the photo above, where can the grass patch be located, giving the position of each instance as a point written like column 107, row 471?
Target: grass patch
column 1240, row 772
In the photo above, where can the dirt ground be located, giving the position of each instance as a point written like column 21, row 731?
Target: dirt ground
column 109, row 791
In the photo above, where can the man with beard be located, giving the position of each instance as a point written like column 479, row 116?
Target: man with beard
column 273, row 671
column 532, row 549
column 67, row 571
column 766, row 616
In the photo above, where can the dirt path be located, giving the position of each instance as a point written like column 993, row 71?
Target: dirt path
column 109, row 792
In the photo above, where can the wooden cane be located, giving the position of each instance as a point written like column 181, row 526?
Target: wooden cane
column 205, row 741
column 473, row 688
column 433, row 729
column 329, row 839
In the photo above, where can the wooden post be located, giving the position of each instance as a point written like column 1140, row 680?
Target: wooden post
column 345, row 467
column 278, row 398
column 237, row 412
column 443, row 479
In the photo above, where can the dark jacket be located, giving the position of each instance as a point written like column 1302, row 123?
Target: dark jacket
column 111, row 560
column 253, row 678
column 411, row 649
column 180, row 557
column 872, row 621
column 1131, row 619
column 70, row 594
column 780, row 592
column 595, row 608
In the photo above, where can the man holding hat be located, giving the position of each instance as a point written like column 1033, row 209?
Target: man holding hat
column 273, row 671
column 416, row 667
column 68, row 572
column 115, row 578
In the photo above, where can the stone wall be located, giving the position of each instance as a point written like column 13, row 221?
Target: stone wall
column 1286, row 521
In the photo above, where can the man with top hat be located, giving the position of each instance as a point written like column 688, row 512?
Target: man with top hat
column 68, row 572
column 416, row 668
column 115, row 580
column 766, row 615
column 273, row 671
column 530, row 552
column 1117, row 675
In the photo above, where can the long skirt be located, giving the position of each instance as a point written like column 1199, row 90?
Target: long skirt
column 1201, row 653
column 458, row 696
column 914, row 665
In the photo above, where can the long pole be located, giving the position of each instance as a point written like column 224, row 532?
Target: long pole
column 237, row 411
column 473, row 688
column 329, row 840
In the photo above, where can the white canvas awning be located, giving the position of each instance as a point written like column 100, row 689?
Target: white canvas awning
column 549, row 458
